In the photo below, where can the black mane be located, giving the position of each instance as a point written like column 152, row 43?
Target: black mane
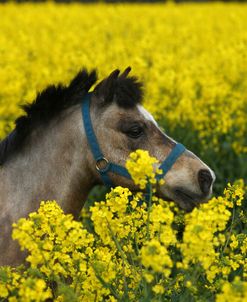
column 48, row 104
column 55, row 99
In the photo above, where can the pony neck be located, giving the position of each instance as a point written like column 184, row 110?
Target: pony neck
column 52, row 165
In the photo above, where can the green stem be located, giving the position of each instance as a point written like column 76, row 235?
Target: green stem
column 107, row 285
column 149, row 189
column 119, row 248
column 230, row 231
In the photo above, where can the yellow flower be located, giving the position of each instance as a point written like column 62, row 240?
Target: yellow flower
column 141, row 167
column 234, row 243
column 235, row 292
column 34, row 290
column 3, row 291
column 156, row 256
column 158, row 289
column 149, row 277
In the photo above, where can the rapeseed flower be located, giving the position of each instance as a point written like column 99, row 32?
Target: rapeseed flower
column 203, row 92
column 141, row 167
column 133, row 250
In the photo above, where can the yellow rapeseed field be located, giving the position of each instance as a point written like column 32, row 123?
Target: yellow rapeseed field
column 191, row 58
column 131, row 247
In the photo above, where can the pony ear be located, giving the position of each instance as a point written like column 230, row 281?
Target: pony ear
column 125, row 73
column 105, row 89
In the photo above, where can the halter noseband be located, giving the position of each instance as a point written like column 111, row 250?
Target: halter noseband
column 111, row 167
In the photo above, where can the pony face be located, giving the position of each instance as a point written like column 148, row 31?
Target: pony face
column 125, row 127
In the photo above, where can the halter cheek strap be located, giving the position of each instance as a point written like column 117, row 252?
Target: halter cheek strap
column 172, row 157
column 111, row 167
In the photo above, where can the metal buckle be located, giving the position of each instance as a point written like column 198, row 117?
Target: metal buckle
column 106, row 165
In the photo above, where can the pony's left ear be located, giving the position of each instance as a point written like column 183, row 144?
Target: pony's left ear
column 105, row 89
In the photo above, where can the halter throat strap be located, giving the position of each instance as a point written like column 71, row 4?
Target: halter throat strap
column 100, row 159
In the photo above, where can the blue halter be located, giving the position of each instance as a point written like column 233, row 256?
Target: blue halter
column 111, row 167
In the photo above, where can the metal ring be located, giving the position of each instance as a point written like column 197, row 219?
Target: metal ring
column 106, row 164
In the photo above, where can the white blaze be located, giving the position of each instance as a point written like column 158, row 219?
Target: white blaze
column 146, row 114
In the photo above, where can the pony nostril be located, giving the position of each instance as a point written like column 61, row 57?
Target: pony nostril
column 205, row 180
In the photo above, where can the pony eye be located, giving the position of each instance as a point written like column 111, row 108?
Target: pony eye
column 135, row 131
